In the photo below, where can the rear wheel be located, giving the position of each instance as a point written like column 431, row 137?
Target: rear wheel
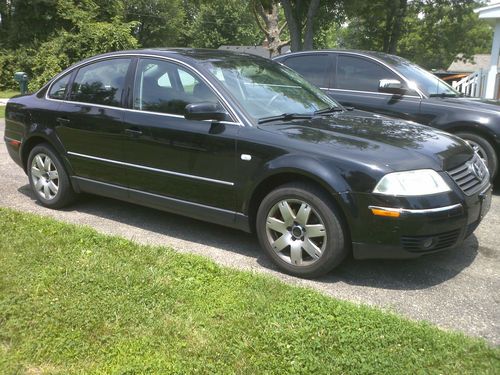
column 301, row 230
column 48, row 178
column 483, row 148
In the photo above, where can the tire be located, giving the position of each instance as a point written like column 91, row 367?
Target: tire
column 484, row 149
column 48, row 177
column 286, row 237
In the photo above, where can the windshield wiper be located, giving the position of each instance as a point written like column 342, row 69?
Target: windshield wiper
column 285, row 117
column 328, row 110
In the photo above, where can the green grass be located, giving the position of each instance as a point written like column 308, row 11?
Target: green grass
column 73, row 301
column 8, row 93
column 2, row 111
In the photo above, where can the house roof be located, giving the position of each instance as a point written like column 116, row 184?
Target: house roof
column 489, row 12
column 478, row 62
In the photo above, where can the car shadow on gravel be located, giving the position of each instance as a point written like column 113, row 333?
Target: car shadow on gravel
column 420, row 273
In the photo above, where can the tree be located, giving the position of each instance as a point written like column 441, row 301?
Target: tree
column 217, row 23
column 266, row 15
column 428, row 32
column 437, row 31
column 300, row 15
column 160, row 22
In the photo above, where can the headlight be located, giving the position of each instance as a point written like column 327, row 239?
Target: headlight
column 419, row 182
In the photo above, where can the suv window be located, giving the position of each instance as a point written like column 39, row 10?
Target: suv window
column 101, row 82
column 162, row 86
column 59, row 87
column 314, row 68
column 356, row 73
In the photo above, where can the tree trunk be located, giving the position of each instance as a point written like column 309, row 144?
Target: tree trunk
column 271, row 27
column 398, row 24
column 309, row 34
column 294, row 26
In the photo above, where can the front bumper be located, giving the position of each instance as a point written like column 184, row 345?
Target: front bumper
column 421, row 230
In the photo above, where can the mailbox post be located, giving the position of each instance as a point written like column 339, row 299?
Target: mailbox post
column 22, row 79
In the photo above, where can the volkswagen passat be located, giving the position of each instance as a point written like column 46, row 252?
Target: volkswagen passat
column 245, row 142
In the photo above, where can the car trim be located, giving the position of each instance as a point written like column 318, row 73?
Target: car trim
column 419, row 211
column 338, row 52
column 151, row 168
column 230, row 109
column 157, row 195
column 370, row 92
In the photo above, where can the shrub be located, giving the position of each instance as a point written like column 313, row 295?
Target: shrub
column 66, row 48
column 11, row 62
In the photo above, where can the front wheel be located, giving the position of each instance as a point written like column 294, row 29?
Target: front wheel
column 484, row 149
column 301, row 230
column 48, row 178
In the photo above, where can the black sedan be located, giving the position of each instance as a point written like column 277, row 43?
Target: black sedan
column 393, row 86
column 245, row 142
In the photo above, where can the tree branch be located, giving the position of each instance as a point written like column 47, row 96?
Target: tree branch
column 256, row 15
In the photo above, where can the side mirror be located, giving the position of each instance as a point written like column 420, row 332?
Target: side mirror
column 205, row 111
column 391, row 86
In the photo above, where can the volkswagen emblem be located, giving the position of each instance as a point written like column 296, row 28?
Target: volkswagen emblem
column 476, row 170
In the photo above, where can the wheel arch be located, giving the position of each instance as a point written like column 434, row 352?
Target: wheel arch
column 474, row 128
column 37, row 139
column 286, row 175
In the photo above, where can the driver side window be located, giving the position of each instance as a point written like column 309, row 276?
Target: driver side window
column 165, row 87
column 355, row 73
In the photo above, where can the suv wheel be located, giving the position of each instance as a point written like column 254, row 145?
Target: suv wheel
column 48, row 178
column 301, row 230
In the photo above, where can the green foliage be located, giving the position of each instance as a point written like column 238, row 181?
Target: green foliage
column 160, row 23
column 12, row 61
column 66, row 48
column 228, row 22
column 73, row 301
column 437, row 34
column 433, row 32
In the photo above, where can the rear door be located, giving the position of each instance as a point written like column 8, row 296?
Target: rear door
column 90, row 122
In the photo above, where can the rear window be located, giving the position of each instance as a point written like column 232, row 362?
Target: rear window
column 314, row 68
column 101, row 82
column 59, row 87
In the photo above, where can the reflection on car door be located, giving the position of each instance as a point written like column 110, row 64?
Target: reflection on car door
column 90, row 123
column 356, row 83
column 171, row 156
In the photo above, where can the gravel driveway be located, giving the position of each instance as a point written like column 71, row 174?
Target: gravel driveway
column 457, row 290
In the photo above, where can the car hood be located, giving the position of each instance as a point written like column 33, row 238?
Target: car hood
column 376, row 141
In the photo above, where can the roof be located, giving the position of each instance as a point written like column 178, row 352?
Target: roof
column 478, row 62
column 491, row 11
column 385, row 57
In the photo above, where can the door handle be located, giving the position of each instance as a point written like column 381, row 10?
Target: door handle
column 133, row 132
column 63, row 120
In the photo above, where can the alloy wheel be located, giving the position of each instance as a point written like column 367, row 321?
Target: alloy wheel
column 45, row 176
column 296, row 232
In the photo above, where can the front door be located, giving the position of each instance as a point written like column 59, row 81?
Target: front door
column 190, row 161
column 356, row 84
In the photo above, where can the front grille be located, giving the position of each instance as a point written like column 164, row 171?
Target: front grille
column 437, row 241
column 471, row 175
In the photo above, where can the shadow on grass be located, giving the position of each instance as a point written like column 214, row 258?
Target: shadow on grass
column 420, row 273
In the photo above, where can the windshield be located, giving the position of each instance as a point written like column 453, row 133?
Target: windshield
column 265, row 88
column 426, row 81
